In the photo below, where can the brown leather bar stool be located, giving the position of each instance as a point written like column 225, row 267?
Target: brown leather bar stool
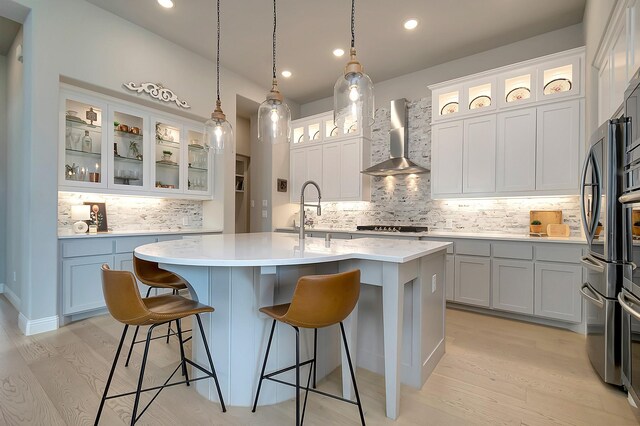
column 150, row 274
column 126, row 306
column 318, row 301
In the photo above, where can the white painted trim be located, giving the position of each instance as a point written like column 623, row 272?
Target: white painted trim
column 30, row 327
column 11, row 297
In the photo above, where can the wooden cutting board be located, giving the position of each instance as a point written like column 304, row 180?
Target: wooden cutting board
column 546, row 217
column 558, row 230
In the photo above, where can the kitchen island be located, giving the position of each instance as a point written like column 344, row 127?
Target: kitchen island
column 397, row 329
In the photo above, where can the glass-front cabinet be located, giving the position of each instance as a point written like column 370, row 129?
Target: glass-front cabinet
column 118, row 147
column 82, row 148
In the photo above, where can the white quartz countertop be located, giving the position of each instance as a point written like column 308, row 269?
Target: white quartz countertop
column 453, row 234
column 139, row 232
column 274, row 249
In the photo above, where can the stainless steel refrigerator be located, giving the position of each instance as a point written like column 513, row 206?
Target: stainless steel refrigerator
column 603, row 218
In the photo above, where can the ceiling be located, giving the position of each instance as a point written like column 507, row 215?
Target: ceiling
column 309, row 30
column 8, row 31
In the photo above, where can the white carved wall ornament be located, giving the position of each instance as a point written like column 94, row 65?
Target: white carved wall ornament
column 157, row 91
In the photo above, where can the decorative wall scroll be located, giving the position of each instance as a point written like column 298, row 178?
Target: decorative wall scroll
column 157, row 91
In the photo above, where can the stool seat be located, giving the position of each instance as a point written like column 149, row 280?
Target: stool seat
column 169, row 307
column 277, row 311
column 149, row 273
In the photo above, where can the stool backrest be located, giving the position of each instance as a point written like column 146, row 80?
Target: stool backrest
column 145, row 270
column 323, row 300
column 122, row 295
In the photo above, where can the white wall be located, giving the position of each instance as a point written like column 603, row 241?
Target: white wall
column 16, row 171
column 414, row 86
column 58, row 40
column 596, row 17
column 243, row 136
column 3, row 169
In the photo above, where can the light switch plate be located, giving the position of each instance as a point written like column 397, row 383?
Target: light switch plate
column 253, row 203
column 449, row 224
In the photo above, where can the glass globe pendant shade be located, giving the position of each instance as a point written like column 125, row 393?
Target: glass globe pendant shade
column 353, row 101
column 274, row 118
column 218, row 132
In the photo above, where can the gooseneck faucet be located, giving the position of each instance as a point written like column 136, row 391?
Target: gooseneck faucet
column 302, row 204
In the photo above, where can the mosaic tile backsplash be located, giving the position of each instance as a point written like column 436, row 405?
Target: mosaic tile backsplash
column 134, row 213
column 406, row 199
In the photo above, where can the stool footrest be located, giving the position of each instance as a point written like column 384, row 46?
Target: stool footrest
column 284, row 370
column 306, row 388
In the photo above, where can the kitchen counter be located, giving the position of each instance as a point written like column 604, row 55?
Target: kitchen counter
column 139, row 232
column 450, row 234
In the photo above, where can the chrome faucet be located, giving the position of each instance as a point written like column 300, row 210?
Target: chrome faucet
column 302, row 205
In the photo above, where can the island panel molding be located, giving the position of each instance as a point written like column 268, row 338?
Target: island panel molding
column 157, row 91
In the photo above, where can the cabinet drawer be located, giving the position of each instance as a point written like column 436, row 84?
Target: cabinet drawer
column 82, row 283
column 450, row 249
column 88, row 247
column 513, row 251
column 474, row 248
column 128, row 244
column 558, row 253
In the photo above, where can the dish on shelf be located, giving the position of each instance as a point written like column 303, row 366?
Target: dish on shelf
column 449, row 108
column 316, row 135
column 518, row 94
column 334, row 131
column 74, row 118
column 167, row 162
column 300, row 138
column 480, row 102
column 556, row 86
column 353, row 128
column 195, row 146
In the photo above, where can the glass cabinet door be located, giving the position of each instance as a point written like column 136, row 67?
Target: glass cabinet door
column 198, row 162
column 83, row 154
column 128, row 149
column 167, row 156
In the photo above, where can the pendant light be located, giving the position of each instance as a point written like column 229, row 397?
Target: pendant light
column 274, row 116
column 353, row 92
column 217, row 130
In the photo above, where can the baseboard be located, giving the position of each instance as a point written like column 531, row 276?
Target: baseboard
column 42, row 325
column 11, row 297
column 432, row 361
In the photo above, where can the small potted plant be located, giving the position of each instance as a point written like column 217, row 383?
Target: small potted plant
column 166, row 155
column 536, row 227
column 636, row 228
column 598, row 229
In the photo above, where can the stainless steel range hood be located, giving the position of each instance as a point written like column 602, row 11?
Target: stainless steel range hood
column 399, row 163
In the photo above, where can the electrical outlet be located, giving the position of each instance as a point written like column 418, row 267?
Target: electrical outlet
column 449, row 224
column 253, row 203
column 185, row 220
column 265, row 203
column 433, row 283
column 264, row 214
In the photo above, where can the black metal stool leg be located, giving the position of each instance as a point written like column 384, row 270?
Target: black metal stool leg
column 174, row 292
column 213, row 369
column 297, row 376
column 140, row 379
column 315, row 350
column 113, row 369
column 264, row 365
column 133, row 342
column 306, row 392
column 184, row 363
column 353, row 376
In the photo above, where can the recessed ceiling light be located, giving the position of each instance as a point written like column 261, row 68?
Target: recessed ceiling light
column 410, row 24
column 286, row 73
column 166, row 3
column 338, row 52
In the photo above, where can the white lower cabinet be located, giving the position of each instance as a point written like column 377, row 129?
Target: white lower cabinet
column 472, row 280
column 450, row 276
column 512, row 285
column 557, row 292
column 82, row 283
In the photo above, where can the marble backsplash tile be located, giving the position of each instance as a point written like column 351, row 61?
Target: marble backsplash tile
column 134, row 213
column 406, row 199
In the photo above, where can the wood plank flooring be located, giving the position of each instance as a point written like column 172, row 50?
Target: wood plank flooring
column 495, row 372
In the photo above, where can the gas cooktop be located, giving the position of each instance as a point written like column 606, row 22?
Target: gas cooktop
column 392, row 228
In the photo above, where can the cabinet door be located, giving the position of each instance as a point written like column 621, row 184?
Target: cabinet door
column 512, row 285
column 446, row 159
column 168, row 156
column 516, row 151
column 472, row 280
column 557, row 150
column 331, row 171
column 450, row 268
column 199, row 176
column 557, row 292
column 315, row 164
column 619, row 67
column 350, row 176
column 298, row 167
column 604, row 91
column 82, row 283
column 129, row 140
column 479, row 155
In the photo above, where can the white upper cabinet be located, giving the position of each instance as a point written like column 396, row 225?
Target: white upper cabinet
column 525, row 142
column 306, row 164
column 479, row 155
column 516, row 151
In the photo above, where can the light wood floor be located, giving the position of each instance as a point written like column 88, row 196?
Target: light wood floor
column 495, row 371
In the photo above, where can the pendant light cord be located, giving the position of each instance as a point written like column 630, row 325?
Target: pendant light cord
column 274, row 38
column 218, row 55
column 353, row 23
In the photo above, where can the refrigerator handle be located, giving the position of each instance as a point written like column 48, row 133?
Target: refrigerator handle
column 593, row 297
column 627, row 300
column 590, row 263
column 589, row 228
